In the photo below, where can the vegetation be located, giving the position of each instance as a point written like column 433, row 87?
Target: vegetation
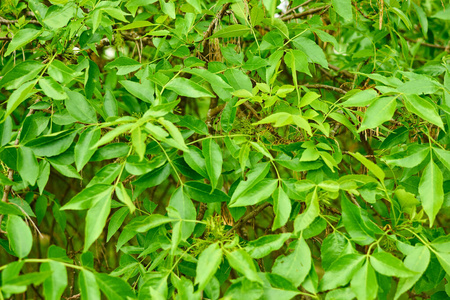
column 199, row 149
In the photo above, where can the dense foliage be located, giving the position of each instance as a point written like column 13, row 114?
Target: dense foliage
column 212, row 149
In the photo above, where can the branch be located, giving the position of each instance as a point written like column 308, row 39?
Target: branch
column 445, row 48
column 325, row 87
column 8, row 22
column 245, row 218
column 344, row 72
column 305, row 13
column 213, row 24
column 5, row 38
column 297, row 7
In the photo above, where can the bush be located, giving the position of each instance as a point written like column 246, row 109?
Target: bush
column 236, row 150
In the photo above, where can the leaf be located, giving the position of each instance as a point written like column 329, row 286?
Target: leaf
column 147, row 223
column 213, row 160
column 66, row 170
column 423, row 109
column 303, row 220
column 236, row 30
column 27, row 165
column 79, row 108
column 259, row 192
column 194, row 158
column 417, row 260
column 361, row 99
column 21, row 73
column 312, row 50
column 54, row 285
column 114, row 288
column 444, row 260
column 96, row 220
column 444, row 156
column 380, row 111
column 142, row 91
column 364, row 283
column 111, row 135
column 19, row 236
column 266, row 244
column 116, row 221
column 175, row 134
column 341, row 271
column 412, row 160
column 281, row 207
column 88, row 285
column 194, row 124
column 354, row 223
column 90, row 196
column 207, row 265
column 124, row 65
column 52, row 89
column 431, row 190
column 376, row 170
column 243, row 263
column 389, row 265
column 84, row 149
column 343, row 8
column 123, row 196
column 21, row 38
column 297, row 60
column 333, row 246
column 188, row 88
column 10, row 209
column 185, row 210
column 52, row 144
column 202, row 192
column 18, row 96
column 254, row 176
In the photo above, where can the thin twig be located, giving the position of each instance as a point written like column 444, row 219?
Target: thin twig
column 305, row 13
column 245, row 218
column 213, row 24
column 325, row 87
column 7, row 22
column 297, row 7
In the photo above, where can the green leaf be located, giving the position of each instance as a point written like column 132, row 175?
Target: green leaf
column 303, row 220
column 194, row 124
column 61, row 72
column 236, row 30
column 281, row 208
column 444, row 260
column 21, row 38
column 259, row 192
column 96, row 220
column 423, row 109
column 114, row 288
column 84, row 149
column 19, row 236
column 295, row 266
column 142, row 91
column 417, row 260
column 66, row 170
column 431, row 190
column 88, row 285
column 79, row 108
column 364, row 283
column 185, row 210
column 123, row 196
column 341, row 271
column 52, row 144
column 147, row 223
column 376, row 170
column 343, row 8
column 18, row 96
column 354, row 224
column 188, row 88
column 111, row 135
column 54, row 285
column 243, row 263
column 297, row 60
column 207, row 265
column 202, row 192
column 175, row 134
column 52, row 89
column 380, row 111
column 361, row 99
column 412, row 160
column 21, row 73
column 116, row 221
column 389, row 265
column 10, row 209
column 124, row 65
column 213, row 160
column 312, row 50
column 334, row 246
column 90, row 196
column 266, row 244
column 194, row 158
column 138, row 140
column 444, row 156
column 27, row 165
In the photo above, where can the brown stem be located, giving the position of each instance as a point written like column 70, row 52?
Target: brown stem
column 247, row 217
column 305, row 13
column 325, row 87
